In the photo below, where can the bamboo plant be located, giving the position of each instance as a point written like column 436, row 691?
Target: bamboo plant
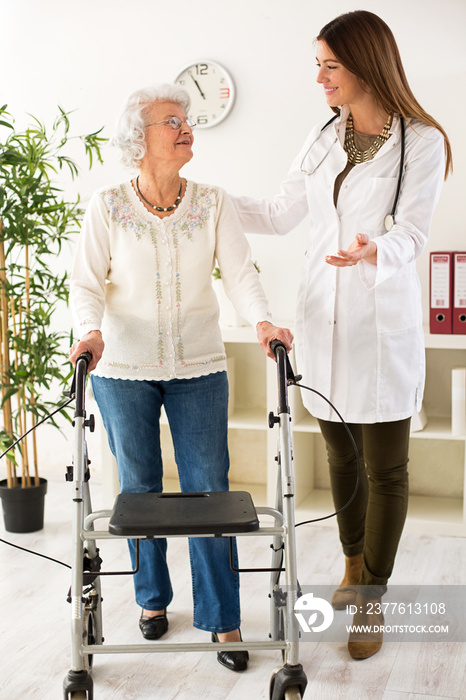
column 35, row 220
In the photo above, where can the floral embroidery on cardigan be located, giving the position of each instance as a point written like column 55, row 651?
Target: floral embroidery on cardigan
column 158, row 365
column 123, row 212
column 202, row 200
column 203, row 363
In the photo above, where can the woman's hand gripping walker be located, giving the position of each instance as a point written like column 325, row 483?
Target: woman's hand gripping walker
column 90, row 346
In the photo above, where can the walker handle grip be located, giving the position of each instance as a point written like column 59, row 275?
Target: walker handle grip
column 275, row 345
column 79, row 382
column 87, row 356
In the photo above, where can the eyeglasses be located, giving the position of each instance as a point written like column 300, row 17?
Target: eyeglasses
column 175, row 123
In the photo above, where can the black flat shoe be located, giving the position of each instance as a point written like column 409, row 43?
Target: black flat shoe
column 153, row 627
column 234, row 660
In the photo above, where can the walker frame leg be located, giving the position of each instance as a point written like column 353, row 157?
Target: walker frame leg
column 292, row 673
column 85, row 596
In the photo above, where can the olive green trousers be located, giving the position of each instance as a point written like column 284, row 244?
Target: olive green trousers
column 373, row 522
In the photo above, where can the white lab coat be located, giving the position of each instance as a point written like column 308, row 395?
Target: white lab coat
column 359, row 336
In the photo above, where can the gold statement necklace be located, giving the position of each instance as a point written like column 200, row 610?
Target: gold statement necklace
column 356, row 156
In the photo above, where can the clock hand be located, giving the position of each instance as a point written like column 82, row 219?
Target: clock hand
column 198, row 86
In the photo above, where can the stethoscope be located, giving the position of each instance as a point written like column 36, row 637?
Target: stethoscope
column 389, row 220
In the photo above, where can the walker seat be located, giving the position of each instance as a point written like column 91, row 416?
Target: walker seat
column 172, row 514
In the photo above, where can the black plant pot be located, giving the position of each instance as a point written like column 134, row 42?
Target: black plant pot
column 23, row 509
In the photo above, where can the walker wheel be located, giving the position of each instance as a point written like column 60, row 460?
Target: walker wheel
column 272, row 680
column 292, row 692
column 78, row 685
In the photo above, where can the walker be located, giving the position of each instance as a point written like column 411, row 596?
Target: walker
column 215, row 514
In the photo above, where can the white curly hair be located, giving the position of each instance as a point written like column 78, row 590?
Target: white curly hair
column 130, row 133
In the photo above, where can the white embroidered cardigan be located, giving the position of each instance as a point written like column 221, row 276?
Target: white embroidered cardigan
column 146, row 282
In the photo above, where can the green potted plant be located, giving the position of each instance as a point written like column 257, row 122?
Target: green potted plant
column 35, row 219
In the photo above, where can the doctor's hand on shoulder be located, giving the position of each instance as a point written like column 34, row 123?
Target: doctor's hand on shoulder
column 360, row 249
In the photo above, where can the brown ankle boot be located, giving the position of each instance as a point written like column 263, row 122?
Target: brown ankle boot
column 347, row 591
column 366, row 642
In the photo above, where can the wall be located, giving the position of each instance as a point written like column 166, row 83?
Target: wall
column 88, row 56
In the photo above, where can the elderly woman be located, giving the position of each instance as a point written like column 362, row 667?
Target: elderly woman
column 143, row 300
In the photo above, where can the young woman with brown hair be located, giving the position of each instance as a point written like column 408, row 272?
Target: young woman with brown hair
column 369, row 179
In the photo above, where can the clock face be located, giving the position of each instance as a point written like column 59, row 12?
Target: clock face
column 212, row 92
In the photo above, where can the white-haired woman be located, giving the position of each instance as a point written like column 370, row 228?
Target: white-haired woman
column 143, row 301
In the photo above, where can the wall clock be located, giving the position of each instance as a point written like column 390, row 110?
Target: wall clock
column 212, row 92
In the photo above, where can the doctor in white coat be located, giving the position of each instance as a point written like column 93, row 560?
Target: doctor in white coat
column 369, row 181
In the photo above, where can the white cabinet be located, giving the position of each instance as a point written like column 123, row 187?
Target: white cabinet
column 437, row 465
column 437, row 458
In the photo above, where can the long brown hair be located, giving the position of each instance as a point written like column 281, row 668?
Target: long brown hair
column 365, row 46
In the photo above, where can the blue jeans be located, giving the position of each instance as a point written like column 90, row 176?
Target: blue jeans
column 197, row 411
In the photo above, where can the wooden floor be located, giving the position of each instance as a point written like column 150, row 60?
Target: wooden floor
column 34, row 628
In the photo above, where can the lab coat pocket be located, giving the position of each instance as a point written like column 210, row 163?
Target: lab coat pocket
column 398, row 301
column 399, row 367
column 376, row 202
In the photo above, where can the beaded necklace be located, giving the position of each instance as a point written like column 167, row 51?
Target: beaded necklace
column 177, row 200
column 354, row 155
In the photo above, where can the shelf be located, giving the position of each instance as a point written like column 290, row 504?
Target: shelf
column 426, row 514
column 437, row 428
column 255, row 418
column 308, row 424
column 316, row 504
column 432, row 508
column 249, row 418
column 239, row 334
column 444, row 341
column 247, row 334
